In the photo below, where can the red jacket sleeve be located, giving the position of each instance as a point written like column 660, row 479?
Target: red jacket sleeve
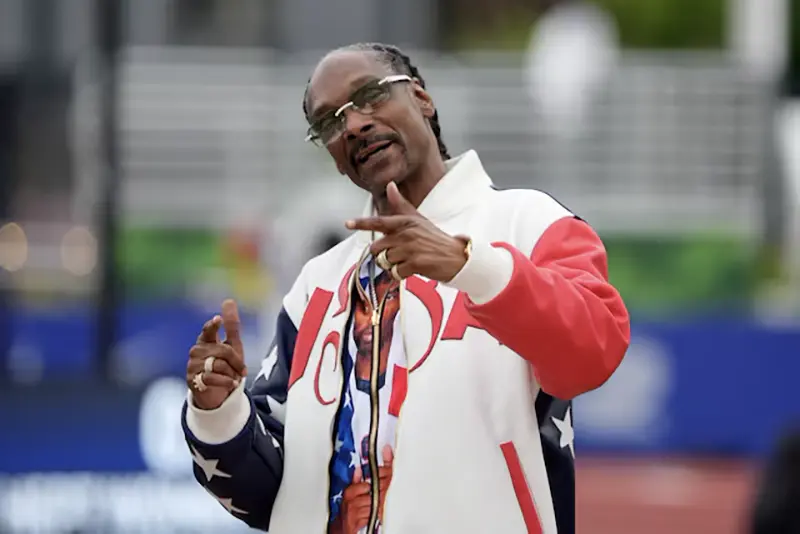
column 559, row 311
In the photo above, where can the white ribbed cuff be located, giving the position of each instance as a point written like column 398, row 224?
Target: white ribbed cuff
column 486, row 273
column 220, row 425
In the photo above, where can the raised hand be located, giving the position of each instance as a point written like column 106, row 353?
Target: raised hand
column 219, row 365
column 411, row 243
column 357, row 498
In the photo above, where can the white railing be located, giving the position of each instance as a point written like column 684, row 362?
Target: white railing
column 675, row 143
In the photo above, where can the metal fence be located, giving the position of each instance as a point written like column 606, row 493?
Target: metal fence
column 674, row 143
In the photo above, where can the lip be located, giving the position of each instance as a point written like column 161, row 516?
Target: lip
column 369, row 150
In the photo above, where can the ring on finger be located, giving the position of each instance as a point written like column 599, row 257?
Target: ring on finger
column 383, row 260
column 396, row 273
column 208, row 364
column 199, row 385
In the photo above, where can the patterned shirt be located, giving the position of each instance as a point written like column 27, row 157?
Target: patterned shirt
column 351, row 444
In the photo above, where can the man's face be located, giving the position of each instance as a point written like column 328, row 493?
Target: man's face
column 363, row 325
column 374, row 149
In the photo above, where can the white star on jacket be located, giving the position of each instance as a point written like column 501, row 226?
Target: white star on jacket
column 567, row 432
column 263, row 429
column 227, row 504
column 261, row 426
column 277, row 409
column 209, row 467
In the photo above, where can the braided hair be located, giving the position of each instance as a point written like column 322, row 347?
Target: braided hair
column 400, row 63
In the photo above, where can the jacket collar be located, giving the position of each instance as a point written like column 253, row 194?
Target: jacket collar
column 464, row 184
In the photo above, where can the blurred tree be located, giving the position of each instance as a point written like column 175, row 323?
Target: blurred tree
column 669, row 23
column 659, row 24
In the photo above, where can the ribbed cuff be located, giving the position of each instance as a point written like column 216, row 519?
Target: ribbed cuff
column 220, row 425
column 486, row 273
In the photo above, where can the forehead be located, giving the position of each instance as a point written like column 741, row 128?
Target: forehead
column 339, row 74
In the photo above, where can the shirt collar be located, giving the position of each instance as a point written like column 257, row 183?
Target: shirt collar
column 464, row 184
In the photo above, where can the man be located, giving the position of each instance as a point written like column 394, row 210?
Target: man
column 504, row 314
column 572, row 51
column 775, row 507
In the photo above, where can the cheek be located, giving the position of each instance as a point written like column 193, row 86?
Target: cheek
column 414, row 134
column 339, row 156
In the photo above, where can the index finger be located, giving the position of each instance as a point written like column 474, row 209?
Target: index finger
column 233, row 325
column 385, row 224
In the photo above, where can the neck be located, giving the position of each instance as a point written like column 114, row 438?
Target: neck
column 417, row 186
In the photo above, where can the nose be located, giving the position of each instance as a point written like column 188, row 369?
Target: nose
column 356, row 123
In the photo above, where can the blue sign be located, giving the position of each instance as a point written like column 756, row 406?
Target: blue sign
column 154, row 341
column 717, row 387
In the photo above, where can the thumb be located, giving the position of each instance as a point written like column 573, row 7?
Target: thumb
column 232, row 325
column 397, row 202
column 357, row 474
column 388, row 456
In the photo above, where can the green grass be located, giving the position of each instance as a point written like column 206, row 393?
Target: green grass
column 657, row 277
column 164, row 263
column 679, row 275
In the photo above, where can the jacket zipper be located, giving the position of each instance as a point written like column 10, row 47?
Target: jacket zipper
column 374, row 420
column 373, row 423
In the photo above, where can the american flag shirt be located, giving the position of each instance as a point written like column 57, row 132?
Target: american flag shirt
column 351, row 442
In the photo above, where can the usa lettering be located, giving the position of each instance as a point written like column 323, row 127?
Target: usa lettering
column 453, row 327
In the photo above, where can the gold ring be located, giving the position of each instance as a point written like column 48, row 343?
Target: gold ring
column 396, row 274
column 383, row 260
column 199, row 385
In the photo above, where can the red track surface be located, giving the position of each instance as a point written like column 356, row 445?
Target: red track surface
column 616, row 496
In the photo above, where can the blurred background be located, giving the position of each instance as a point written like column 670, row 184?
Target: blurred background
column 152, row 163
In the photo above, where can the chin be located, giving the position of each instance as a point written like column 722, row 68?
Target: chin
column 376, row 175
column 377, row 181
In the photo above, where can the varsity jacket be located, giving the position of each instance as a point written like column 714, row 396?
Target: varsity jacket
column 484, row 437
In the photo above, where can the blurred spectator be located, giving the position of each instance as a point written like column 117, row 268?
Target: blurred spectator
column 759, row 35
column 573, row 48
column 312, row 215
column 328, row 240
column 310, row 222
column 777, row 507
column 7, row 154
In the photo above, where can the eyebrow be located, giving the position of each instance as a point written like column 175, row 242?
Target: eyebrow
column 354, row 86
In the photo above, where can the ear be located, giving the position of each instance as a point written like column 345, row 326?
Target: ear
column 424, row 100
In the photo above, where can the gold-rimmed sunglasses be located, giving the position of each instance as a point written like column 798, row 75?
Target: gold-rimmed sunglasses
column 366, row 100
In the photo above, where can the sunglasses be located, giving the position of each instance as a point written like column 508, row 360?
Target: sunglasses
column 366, row 100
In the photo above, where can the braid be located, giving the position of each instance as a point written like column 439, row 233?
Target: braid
column 400, row 63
